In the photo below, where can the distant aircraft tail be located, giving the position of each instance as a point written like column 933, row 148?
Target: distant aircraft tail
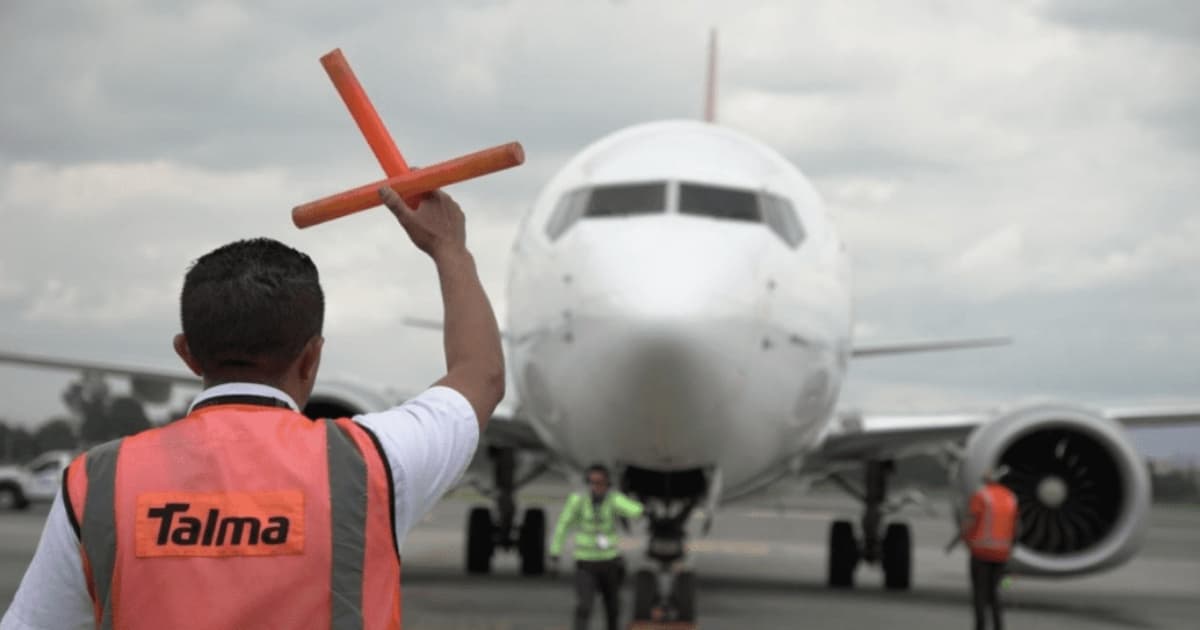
column 710, row 88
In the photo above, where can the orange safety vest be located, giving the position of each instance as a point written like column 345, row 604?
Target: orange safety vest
column 994, row 512
column 241, row 515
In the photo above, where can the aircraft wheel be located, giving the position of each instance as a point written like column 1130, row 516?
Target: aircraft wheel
column 843, row 554
column 684, row 594
column 531, row 542
column 480, row 540
column 897, row 557
column 645, row 595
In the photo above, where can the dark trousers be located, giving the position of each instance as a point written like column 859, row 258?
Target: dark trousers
column 985, row 585
column 603, row 576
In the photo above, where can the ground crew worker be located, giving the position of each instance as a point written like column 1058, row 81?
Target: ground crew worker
column 988, row 532
column 245, row 513
column 598, row 563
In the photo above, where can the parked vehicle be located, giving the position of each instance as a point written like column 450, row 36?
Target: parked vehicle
column 35, row 482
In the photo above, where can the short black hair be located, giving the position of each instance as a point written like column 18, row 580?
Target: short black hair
column 600, row 468
column 251, row 305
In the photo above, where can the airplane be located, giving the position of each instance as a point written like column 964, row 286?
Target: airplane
column 680, row 308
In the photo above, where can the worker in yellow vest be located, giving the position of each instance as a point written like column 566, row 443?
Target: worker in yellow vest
column 598, row 563
column 246, row 513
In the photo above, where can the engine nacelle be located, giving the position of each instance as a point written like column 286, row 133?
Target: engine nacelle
column 1082, row 490
column 338, row 399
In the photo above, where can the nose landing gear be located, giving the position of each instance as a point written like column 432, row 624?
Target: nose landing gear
column 666, row 597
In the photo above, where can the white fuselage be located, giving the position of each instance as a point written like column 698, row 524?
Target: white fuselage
column 674, row 341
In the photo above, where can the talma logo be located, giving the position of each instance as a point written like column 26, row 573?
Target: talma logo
column 219, row 524
column 216, row 529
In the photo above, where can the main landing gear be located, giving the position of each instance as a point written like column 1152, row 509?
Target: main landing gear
column 890, row 547
column 488, row 529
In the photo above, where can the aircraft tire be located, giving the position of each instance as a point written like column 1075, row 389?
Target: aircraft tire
column 684, row 595
column 480, row 540
column 897, row 557
column 645, row 595
column 843, row 554
column 531, row 542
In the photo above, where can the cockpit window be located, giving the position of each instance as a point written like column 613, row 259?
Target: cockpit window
column 622, row 200
column 781, row 218
column 626, row 199
column 616, row 200
column 720, row 203
column 566, row 213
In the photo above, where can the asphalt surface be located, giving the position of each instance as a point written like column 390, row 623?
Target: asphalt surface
column 763, row 566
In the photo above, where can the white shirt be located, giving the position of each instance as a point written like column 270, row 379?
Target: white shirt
column 428, row 441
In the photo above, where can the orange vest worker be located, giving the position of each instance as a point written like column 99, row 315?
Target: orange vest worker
column 241, row 515
column 994, row 521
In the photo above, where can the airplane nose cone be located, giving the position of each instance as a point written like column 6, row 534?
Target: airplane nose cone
column 673, row 385
column 667, row 319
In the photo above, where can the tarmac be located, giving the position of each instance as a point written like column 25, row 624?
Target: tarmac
column 763, row 566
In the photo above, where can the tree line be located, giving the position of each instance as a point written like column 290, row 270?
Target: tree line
column 96, row 416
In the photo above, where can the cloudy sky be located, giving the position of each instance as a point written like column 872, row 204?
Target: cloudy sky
column 1026, row 168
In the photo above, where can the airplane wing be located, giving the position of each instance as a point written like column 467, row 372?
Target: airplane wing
column 931, row 345
column 181, row 377
column 507, row 427
column 148, row 384
column 857, row 436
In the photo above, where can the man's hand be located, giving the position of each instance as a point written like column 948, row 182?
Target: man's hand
column 436, row 226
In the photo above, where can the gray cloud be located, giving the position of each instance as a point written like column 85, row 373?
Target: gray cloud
column 1152, row 18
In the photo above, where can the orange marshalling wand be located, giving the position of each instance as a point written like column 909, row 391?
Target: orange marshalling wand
column 409, row 184
column 364, row 113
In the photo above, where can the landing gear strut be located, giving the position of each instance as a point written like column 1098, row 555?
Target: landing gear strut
column 891, row 547
column 488, row 529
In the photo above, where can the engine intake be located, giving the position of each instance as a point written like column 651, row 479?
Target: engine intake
column 1083, row 492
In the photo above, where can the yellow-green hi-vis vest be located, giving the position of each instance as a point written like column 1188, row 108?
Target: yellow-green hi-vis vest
column 596, row 528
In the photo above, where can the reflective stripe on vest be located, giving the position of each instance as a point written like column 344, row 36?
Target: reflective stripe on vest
column 198, row 566
column 97, row 529
column 348, row 510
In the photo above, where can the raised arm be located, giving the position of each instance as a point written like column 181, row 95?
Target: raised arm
column 627, row 506
column 474, row 358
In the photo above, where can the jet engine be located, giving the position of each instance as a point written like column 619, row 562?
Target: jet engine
column 339, row 399
column 1083, row 492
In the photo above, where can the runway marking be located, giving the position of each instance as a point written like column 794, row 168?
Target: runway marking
column 792, row 515
column 731, row 547
column 709, row 545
